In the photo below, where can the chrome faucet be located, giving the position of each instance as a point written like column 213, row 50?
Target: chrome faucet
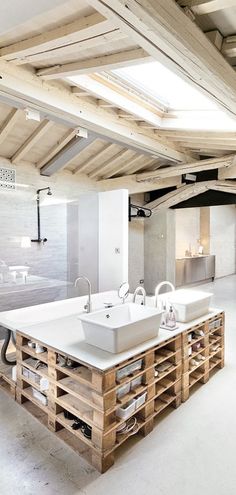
column 159, row 286
column 143, row 292
column 88, row 305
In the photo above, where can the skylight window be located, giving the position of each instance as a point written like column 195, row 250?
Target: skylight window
column 168, row 88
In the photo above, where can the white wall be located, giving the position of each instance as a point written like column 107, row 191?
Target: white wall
column 222, row 238
column 187, row 230
column 136, row 252
column 113, row 239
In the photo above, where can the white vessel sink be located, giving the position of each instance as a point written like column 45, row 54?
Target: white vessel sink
column 189, row 304
column 121, row 327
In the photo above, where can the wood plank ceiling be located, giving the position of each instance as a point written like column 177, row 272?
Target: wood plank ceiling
column 124, row 125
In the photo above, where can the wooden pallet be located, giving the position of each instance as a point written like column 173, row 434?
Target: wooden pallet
column 91, row 395
column 213, row 330
column 6, row 382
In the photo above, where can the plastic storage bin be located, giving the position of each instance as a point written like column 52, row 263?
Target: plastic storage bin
column 123, row 390
column 136, row 382
column 40, row 397
column 140, row 400
column 125, row 411
column 129, row 369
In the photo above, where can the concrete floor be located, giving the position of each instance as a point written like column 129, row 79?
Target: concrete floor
column 191, row 451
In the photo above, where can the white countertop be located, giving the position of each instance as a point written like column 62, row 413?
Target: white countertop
column 57, row 325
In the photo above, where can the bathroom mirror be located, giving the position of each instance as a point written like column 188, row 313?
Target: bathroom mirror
column 123, row 291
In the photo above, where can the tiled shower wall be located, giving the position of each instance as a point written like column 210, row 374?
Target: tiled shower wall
column 51, row 262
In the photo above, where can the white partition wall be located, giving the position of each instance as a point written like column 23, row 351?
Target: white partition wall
column 113, row 239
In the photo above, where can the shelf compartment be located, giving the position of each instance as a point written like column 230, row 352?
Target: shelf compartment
column 163, row 355
column 28, row 394
column 42, row 356
column 214, row 362
column 27, row 363
column 162, row 402
column 67, row 423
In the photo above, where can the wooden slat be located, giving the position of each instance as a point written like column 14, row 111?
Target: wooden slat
column 129, row 182
column 108, row 164
column 96, row 157
column 105, row 62
column 32, row 140
column 128, row 163
column 89, row 26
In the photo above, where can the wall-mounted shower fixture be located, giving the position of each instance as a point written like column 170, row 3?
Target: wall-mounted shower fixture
column 49, row 193
column 141, row 211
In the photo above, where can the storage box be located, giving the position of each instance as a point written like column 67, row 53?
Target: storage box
column 136, row 382
column 40, row 397
column 140, row 400
column 125, row 411
column 129, row 369
column 123, row 390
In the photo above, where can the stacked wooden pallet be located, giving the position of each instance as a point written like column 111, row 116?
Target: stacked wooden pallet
column 141, row 388
column 203, row 351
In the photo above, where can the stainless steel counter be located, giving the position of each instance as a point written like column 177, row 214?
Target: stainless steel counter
column 194, row 269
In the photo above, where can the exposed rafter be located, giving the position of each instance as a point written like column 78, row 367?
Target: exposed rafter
column 66, row 155
column 8, row 124
column 163, row 30
column 32, row 140
column 125, row 166
column 81, row 169
column 108, row 164
column 210, row 164
column 59, row 103
column 97, row 64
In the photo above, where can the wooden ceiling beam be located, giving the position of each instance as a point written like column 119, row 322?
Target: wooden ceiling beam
column 201, row 7
column 229, row 46
column 39, row 132
column 96, row 64
column 9, row 123
column 180, row 194
column 129, row 182
column 90, row 26
column 163, row 30
column 61, row 105
column 198, row 166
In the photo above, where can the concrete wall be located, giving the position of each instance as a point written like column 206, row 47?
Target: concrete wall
column 136, row 252
column 222, row 238
column 159, row 249
column 187, row 230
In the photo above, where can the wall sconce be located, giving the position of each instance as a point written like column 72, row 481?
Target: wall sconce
column 25, row 242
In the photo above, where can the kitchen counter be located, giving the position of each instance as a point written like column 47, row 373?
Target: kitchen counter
column 65, row 334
